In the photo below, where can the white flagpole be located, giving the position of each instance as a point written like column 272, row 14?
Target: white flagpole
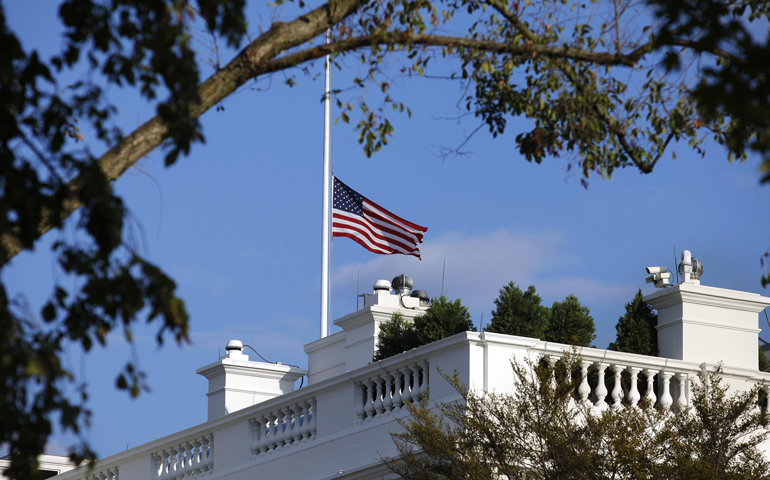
column 326, row 196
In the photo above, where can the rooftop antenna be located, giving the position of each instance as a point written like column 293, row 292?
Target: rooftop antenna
column 443, row 271
column 358, row 284
column 481, row 328
column 675, row 266
column 739, row 282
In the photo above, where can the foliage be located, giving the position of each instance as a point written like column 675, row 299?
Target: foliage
column 591, row 89
column 46, row 172
column 537, row 433
column 636, row 329
column 519, row 313
column 570, row 323
column 763, row 363
column 396, row 335
column 443, row 319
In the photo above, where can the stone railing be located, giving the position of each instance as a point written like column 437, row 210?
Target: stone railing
column 191, row 458
column 103, row 474
column 383, row 393
column 283, row 427
column 663, row 382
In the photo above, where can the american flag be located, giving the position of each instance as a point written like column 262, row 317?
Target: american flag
column 374, row 228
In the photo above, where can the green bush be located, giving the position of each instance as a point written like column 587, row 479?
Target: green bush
column 519, row 313
column 636, row 329
column 571, row 323
column 443, row 319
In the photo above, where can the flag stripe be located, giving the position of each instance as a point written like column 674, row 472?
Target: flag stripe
column 392, row 218
column 373, row 227
column 341, row 220
column 386, row 229
column 361, row 241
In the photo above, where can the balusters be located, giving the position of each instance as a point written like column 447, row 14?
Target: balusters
column 584, row 389
column 633, row 394
column 406, row 395
column 650, row 393
column 163, row 467
column 305, row 430
column 271, row 443
column 255, row 436
column 684, row 391
column 173, row 465
column 195, row 457
column 189, row 467
column 416, row 393
column 369, row 407
column 288, row 435
column 665, row 399
column 397, row 399
column 313, row 417
column 379, row 407
column 186, row 459
column 360, row 400
column 601, row 389
column 279, row 429
column 295, row 431
column 262, row 423
column 209, row 464
column 424, row 384
column 617, row 390
column 387, row 402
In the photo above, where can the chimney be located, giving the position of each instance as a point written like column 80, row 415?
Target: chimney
column 235, row 382
column 699, row 324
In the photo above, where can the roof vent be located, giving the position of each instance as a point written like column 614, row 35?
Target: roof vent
column 423, row 296
column 382, row 285
column 690, row 268
column 402, row 284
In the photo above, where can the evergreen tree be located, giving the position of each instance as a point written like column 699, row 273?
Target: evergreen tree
column 764, row 363
column 636, row 329
column 519, row 313
column 571, row 323
column 443, row 319
column 395, row 336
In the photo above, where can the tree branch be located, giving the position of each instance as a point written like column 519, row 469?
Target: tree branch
column 247, row 64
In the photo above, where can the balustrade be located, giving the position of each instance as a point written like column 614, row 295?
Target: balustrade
column 283, row 427
column 106, row 474
column 671, row 391
column 187, row 459
column 380, row 395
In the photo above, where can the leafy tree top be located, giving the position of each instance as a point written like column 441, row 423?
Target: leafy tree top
column 535, row 433
column 571, row 323
column 519, row 313
column 564, row 66
column 442, row 319
column 636, row 329
column 396, row 335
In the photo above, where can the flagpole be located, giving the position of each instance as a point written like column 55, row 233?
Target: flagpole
column 326, row 196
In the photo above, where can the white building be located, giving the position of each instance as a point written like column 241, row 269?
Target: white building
column 338, row 424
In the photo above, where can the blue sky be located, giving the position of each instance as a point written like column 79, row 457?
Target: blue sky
column 237, row 224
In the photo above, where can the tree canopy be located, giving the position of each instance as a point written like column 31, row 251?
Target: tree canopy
column 593, row 91
column 636, row 331
column 571, row 323
column 442, row 319
column 542, row 432
column 519, row 313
